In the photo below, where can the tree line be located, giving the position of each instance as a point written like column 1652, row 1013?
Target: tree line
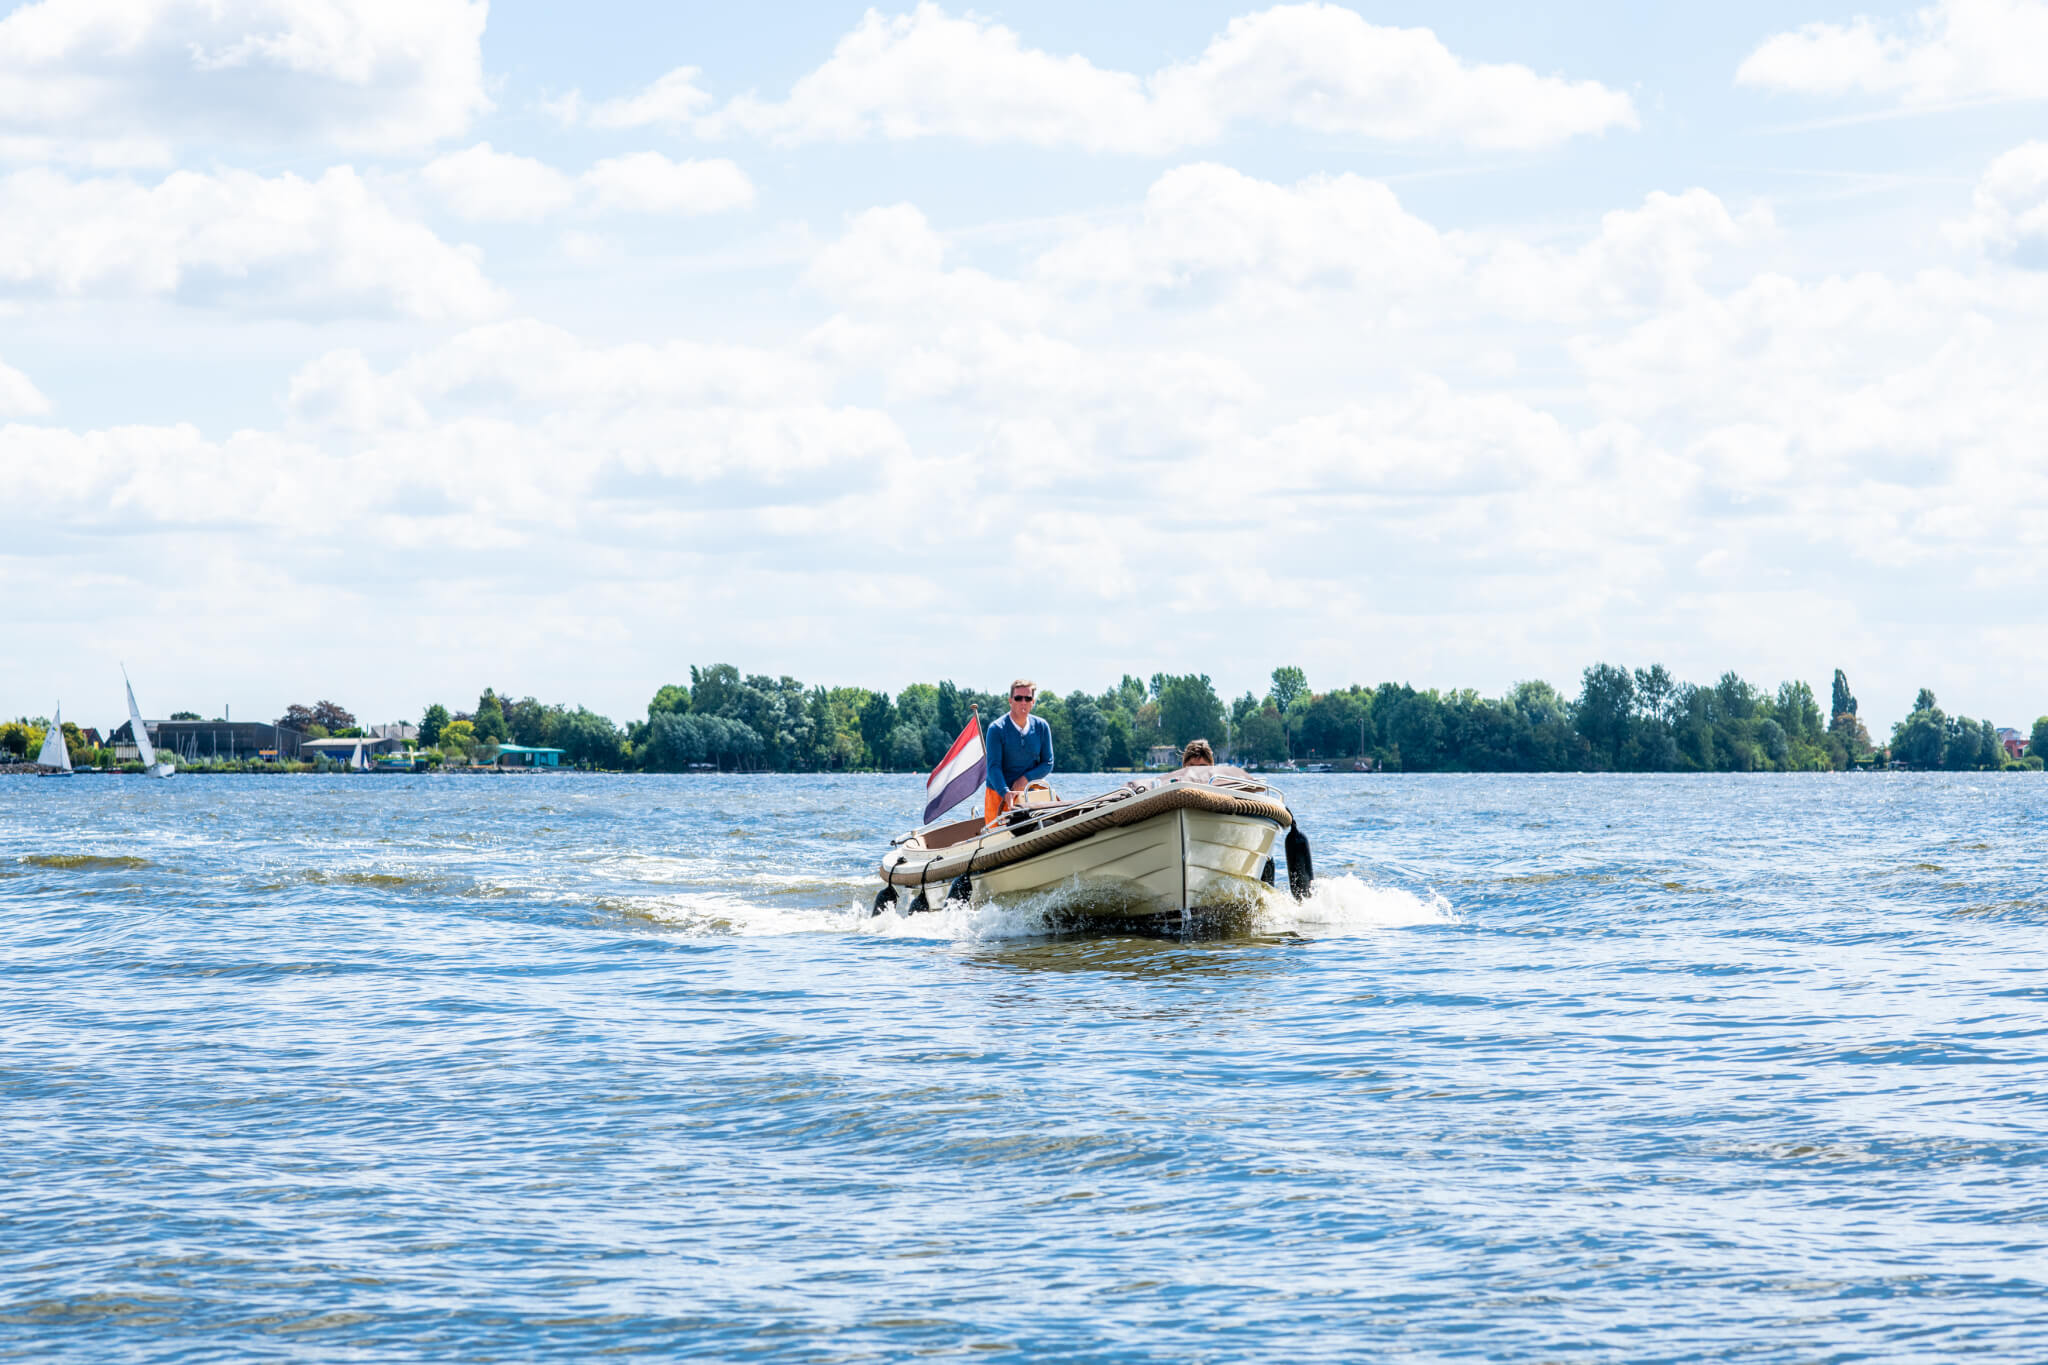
column 1621, row 720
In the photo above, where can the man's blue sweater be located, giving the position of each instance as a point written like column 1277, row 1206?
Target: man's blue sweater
column 1014, row 753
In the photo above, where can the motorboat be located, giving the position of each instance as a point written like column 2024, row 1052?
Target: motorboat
column 1189, row 847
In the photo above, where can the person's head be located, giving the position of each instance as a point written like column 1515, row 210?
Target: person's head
column 1198, row 751
column 1023, row 692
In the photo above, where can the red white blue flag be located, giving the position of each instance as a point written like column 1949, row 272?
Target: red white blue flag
column 964, row 768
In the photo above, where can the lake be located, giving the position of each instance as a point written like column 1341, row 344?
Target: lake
column 548, row 1067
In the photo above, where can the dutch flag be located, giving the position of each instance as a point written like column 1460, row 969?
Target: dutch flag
column 963, row 769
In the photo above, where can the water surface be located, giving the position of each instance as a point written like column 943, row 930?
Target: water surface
column 541, row 1068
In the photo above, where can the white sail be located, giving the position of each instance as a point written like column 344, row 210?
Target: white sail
column 142, row 743
column 356, row 760
column 55, row 754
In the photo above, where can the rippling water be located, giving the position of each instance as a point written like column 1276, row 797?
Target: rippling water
column 543, row 1068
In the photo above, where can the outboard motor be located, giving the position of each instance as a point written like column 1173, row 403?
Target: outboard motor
column 1301, row 868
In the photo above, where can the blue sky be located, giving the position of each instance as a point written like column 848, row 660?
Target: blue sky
column 382, row 351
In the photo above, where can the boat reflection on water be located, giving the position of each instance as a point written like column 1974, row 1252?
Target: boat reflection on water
column 1145, row 957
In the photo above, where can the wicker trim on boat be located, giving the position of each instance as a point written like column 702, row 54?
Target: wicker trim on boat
column 907, row 867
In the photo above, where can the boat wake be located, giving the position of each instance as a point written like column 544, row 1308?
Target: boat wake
column 1336, row 906
column 1345, row 904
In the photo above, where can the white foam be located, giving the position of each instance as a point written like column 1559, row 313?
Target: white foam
column 1345, row 904
column 720, row 914
column 1338, row 905
column 955, row 922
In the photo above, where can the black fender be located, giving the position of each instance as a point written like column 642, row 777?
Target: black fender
column 1301, row 866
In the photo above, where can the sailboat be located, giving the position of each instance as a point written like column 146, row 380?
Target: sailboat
column 55, row 755
column 151, row 765
column 356, row 761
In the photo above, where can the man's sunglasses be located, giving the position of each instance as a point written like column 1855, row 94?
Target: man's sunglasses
column 1022, row 697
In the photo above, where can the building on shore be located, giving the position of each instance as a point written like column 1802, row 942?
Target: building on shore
column 524, row 756
column 2015, row 743
column 342, row 750
column 202, row 741
column 1162, row 756
column 396, row 729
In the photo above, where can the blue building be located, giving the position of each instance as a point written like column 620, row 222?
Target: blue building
column 520, row 756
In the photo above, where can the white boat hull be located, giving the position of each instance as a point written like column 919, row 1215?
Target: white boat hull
column 159, row 770
column 1177, row 866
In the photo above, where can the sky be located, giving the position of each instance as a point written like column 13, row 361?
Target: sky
column 385, row 350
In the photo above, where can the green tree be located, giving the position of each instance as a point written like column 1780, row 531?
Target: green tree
column 877, row 720
column 669, row 699
column 1261, row 736
column 714, row 690
column 906, row 748
column 1127, row 696
column 589, row 740
column 1655, row 689
column 433, row 721
column 489, row 723
column 2037, row 744
column 1796, row 709
column 530, row 723
column 1738, row 700
column 458, row 737
column 1844, row 701
column 1189, row 709
column 1335, row 723
column 1605, row 710
column 1089, row 729
column 1118, row 749
column 1921, row 739
column 1289, row 684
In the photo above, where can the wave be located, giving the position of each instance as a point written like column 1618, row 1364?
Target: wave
column 84, row 862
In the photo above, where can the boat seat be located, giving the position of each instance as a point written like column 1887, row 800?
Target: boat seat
column 959, row 832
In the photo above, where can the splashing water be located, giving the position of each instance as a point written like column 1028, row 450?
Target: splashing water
column 1346, row 904
column 1337, row 905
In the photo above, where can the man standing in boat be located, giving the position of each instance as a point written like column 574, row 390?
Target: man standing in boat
column 1019, row 751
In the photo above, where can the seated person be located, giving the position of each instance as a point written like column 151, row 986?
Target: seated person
column 1019, row 751
column 1197, row 753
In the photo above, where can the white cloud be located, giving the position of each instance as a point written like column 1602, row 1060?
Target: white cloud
column 1215, row 237
column 484, row 185
column 18, row 397
column 1314, row 66
column 272, row 244
column 1207, row 224
column 1448, row 455
column 491, row 186
column 2009, row 217
column 528, row 365
column 1952, row 50
column 890, row 260
column 648, row 182
column 671, row 102
column 122, row 81
column 1642, row 258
